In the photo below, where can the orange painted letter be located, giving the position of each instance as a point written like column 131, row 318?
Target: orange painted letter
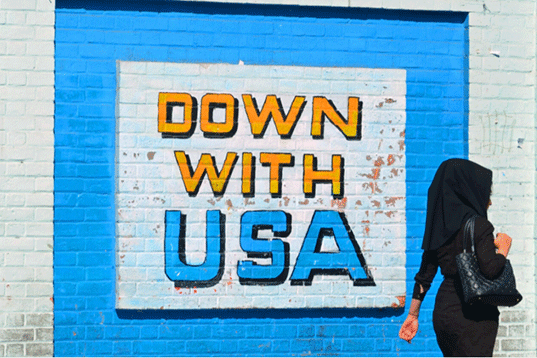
column 248, row 174
column 192, row 179
column 276, row 161
column 212, row 129
column 351, row 128
column 273, row 108
column 312, row 176
column 166, row 103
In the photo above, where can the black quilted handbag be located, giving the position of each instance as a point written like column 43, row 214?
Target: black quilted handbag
column 476, row 288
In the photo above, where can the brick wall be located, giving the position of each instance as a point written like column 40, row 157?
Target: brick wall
column 137, row 310
column 26, row 167
column 499, row 134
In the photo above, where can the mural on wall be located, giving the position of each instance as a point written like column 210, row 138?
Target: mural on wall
column 241, row 186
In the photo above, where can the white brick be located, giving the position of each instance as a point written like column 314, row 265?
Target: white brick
column 45, row 63
column 16, row 78
column 15, row 290
column 8, row 304
column 39, row 169
column 15, row 229
column 26, row 47
column 14, row 259
column 38, row 258
column 18, row 93
column 43, row 244
column 40, row 18
column 40, row 79
column 14, row 32
column 16, row 168
column 39, row 290
column 16, row 48
column 44, row 274
column 16, row 17
column 40, row 48
column 15, row 109
column 478, row 20
column 19, row 4
column 18, row 274
column 44, row 184
column 39, row 229
column 46, row 6
column 46, row 33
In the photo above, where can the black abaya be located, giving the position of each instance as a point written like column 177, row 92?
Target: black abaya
column 460, row 189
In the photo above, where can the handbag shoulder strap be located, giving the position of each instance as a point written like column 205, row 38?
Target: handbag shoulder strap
column 469, row 232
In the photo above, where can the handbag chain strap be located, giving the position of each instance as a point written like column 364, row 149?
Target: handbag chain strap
column 469, row 227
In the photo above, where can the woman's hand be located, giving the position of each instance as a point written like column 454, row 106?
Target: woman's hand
column 409, row 328
column 503, row 243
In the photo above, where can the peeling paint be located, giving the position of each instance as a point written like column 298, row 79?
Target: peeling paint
column 379, row 162
column 372, row 186
column 375, row 173
column 341, row 204
column 402, row 301
column 151, row 155
column 391, row 201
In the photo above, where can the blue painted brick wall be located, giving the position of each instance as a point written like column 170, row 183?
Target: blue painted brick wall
column 92, row 35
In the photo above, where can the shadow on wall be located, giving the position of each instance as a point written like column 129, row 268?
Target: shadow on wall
column 211, row 8
column 262, row 313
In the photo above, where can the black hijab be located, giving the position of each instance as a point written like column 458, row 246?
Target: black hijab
column 460, row 189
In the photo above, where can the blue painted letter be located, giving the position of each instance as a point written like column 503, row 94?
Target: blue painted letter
column 251, row 273
column 209, row 272
column 348, row 261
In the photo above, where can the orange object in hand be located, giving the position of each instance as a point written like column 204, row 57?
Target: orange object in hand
column 503, row 243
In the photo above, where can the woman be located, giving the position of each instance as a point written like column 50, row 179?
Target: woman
column 460, row 189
